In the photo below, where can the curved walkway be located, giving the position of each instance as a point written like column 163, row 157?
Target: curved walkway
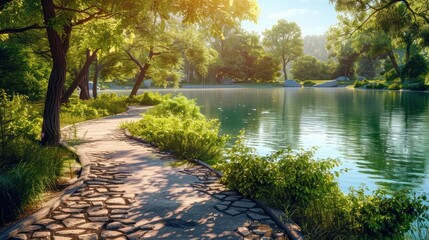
column 135, row 192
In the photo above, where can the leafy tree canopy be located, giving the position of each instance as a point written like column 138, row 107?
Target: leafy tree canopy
column 284, row 42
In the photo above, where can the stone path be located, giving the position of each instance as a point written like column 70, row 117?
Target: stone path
column 135, row 192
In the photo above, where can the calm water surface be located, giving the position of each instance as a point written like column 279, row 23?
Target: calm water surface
column 381, row 137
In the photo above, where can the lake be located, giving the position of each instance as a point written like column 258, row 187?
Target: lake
column 381, row 137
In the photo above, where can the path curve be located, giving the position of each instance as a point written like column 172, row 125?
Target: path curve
column 135, row 192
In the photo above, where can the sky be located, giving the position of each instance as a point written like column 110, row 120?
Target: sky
column 313, row 16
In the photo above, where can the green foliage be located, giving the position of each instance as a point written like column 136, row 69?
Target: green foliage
column 284, row 42
column 308, row 83
column 298, row 183
column 148, row 98
column 17, row 121
column 105, row 104
column 379, row 215
column 419, row 86
column 415, row 69
column 242, row 58
column 26, row 169
column 376, row 85
column 22, row 72
column 187, row 138
column 308, row 67
column 22, row 184
column 391, row 75
column 360, row 84
column 80, row 109
column 279, row 176
column 394, row 86
column 176, row 125
column 179, row 106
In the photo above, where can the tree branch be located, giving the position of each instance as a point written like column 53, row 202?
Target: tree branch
column 20, row 30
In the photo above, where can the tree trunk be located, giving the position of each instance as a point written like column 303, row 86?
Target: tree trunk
column 284, row 63
column 408, row 52
column 82, row 73
column 143, row 70
column 284, row 71
column 51, row 115
column 392, row 57
column 84, row 83
column 84, row 88
column 95, row 79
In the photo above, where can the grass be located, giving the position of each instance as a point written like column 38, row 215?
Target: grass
column 36, row 170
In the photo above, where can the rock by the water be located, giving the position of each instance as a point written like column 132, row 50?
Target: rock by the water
column 292, row 83
column 342, row 78
column 333, row 83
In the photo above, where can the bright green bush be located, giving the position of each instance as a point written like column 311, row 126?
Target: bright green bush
column 281, row 175
column 360, row 84
column 109, row 104
column 177, row 125
column 178, row 106
column 391, row 75
column 186, row 138
column 308, row 83
column 394, row 86
column 377, row 85
column 380, row 216
column 17, row 118
column 152, row 98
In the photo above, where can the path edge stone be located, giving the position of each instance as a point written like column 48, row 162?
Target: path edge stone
column 291, row 228
column 56, row 201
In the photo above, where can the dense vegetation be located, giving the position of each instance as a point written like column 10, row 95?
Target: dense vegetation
column 177, row 125
column 27, row 170
column 305, row 188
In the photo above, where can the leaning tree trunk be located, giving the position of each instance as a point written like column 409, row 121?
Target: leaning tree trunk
column 51, row 115
column 143, row 70
column 82, row 73
column 392, row 57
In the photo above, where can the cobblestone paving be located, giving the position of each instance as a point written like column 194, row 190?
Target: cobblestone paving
column 259, row 226
column 120, row 198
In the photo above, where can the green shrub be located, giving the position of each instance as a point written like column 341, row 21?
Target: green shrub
column 375, row 85
column 186, row 138
column 308, row 83
column 17, row 118
column 360, row 84
column 177, row 125
column 391, row 75
column 297, row 177
column 379, row 216
column 152, row 98
column 394, row 86
column 298, row 183
column 109, row 104
column 178, row 106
